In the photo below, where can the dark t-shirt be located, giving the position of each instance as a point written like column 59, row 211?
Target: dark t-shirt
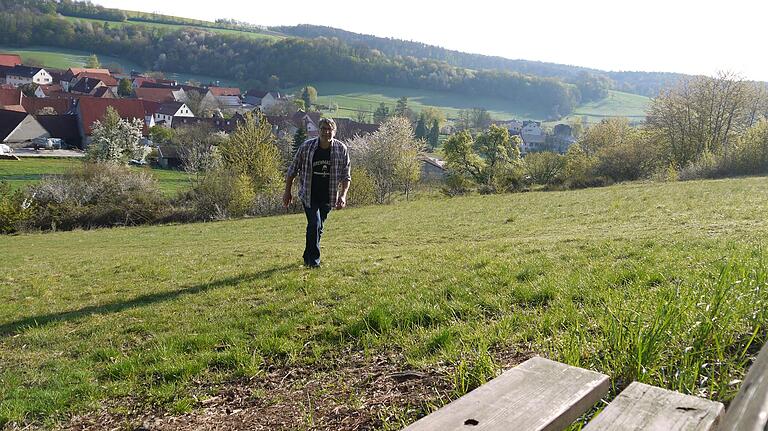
column 321, row 176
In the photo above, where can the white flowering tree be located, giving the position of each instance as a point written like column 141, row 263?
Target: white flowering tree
column 115, row 139
column 390, row 157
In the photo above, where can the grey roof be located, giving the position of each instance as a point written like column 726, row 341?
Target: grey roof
column 27, row 71
column 170, row 108
column 9, row 120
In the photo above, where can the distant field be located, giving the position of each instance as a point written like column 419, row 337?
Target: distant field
column 61, row 58
column 30, row 170
column 352, row 98
column 178, row 26
column 617, row 104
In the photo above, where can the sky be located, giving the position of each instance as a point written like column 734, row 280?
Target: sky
column 693, row 37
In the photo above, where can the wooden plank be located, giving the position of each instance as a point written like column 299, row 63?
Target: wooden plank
column 749, row 410
column 644, row 407
column 537, row 395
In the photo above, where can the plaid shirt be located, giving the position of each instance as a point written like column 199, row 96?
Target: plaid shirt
column 302, row 167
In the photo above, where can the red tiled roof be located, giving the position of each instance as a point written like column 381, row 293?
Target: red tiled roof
column 9, row 60
column 10, row 97
column 33, row 105
column 74, row 71
column 48, row 90
column 106, row 78
column 91, row 109
column 224, row 91
column 161, row 95
column 140, row 80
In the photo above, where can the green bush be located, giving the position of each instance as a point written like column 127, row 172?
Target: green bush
column 707, row 165
column 15, row 209
column 97, row 195
column 544, row 167
column 578, row 171
column 362, row 191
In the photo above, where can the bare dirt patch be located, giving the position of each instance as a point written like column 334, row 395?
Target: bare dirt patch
column 354, row 393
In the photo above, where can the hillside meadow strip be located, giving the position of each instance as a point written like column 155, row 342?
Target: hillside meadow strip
column 30, row 170
column 664, row 283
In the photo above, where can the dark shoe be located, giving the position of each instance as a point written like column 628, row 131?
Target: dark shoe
column 313, row 265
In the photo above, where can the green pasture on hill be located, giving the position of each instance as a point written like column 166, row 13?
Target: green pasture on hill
column 617, row 104
column 29, row 170
column 665, row 283
column 174, row 27
column 352, row 98
column 60, row 58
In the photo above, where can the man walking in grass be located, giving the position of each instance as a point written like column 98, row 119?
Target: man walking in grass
column 322, row 165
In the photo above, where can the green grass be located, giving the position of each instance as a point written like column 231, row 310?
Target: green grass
column 174, row 27
column 617, row 104
column 664, row 283
column 351, row 98
column 29, row 170
column 60, row 58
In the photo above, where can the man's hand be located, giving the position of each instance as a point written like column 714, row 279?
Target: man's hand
column 287, row 198
column 341, row 202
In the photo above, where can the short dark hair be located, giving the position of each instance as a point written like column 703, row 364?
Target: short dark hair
column 329, row 122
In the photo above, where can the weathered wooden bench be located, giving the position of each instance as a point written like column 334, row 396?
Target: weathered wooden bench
column 544, row 395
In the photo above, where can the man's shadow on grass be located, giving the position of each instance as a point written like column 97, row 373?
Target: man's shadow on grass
column 141, row 301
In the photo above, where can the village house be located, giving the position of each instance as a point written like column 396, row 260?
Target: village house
column 347, row 129
column 48, row 106
column 224, row 125
column 105, row 78
column 92, row 87
column 22, row 75
column 10, row 60
column 138, row 81
column 19, row 127
column 63, row 127
column 432, row 169
column 161, row 95
column 263, row 99
column 44, row 91
column 10, row 99
column 208, row 101
column 533, row 136
column 72, row 72
column 561, row 139
column 227, row 98
column 171, row 110
column 91, row 109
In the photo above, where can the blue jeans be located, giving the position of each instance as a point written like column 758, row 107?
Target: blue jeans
column 316, row 216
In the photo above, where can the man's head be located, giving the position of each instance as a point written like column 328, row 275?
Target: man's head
column 327, row 129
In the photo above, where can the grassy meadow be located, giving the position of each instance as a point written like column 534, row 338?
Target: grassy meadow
column 665, row 283
column 173, row 27
column 617, row 104
column 29, row 170
column 352, row 98
column 60, row 58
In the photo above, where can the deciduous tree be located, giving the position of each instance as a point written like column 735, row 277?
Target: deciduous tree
column 115, row 139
